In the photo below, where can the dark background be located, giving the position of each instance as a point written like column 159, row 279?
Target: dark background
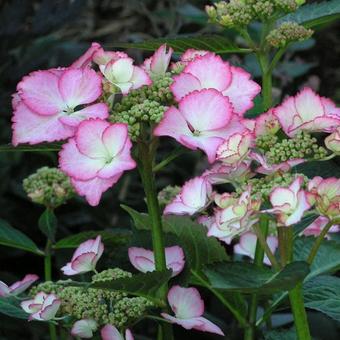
column 43, row 34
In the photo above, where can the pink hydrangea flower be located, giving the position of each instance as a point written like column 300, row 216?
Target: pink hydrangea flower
column 247, row 246
column 266, row 123
column 201, row 121
column 144, row 261
column 86, row 59
column 234, row 216
column 96, row 157
column 84, row 328
column 85, row 257
column 332, row 141
column 43, row 307
column 188, row 307
column 308, row 112
column 325, row 194
column 17, row 287
column 289, row 203
column 46, row 106
column 159, row 62
column 110, row 332
column 210, row 71
column 235, row 148
column 315, row 228
column 194, row 196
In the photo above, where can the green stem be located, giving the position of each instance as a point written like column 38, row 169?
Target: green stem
column 146, row 158
column 266, row 80
column 285, row 235
column 258, row 260
column 176, row 153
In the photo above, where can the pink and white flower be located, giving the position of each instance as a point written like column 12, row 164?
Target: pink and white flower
column 235, row 148
column 307, row 111
column 315, row 228
column 17, row 287
column 234, row 216
column 211, row 72
column 43, row 307
column 289, row 203
column 332, row 141
column 85, row 257
column 325, row 194
column 144, row 260
column 158, row 63
column 188, row 307
column 200, row 122
column 46, row 105
column 194, row 196
column 247, row 246
column 96, row 157
column 110, row 332
column 84, row 328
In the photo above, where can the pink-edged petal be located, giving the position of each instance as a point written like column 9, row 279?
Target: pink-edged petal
column 185, row 302
column 92, row 245
column 80, row 86
column 161, row 59
column 119, row 71
column 4, row 289
column 76, row 164
column 86, row 59
column 110, row 332
column 68, row 270
column 211, row 70
column 308, row 104
column 89, row 138
column 128, row 335
column 177, row 207
column 99, row 110
column 84, row 328
column 242, row 90
column 175, row 259
column 20, row 286
column 48, row 312
column 32, row 128
column 205, row 110
column 94, row 188
column 139, row 78
column 302, row 206
column 29, row 306
column 281, row 196
column 195, row 192
column 84, row 263
column 142, row 259
column 115, row 137
column 183, row 84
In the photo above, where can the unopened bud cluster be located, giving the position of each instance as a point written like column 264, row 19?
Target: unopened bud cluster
column 167, row 194
column 49, row 187
column 288, row 32
column 146, row 104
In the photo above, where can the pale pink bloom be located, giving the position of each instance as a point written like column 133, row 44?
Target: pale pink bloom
column 289, row 203
column 202, row 121
column 84, row 328
column 332, row 141
column 102, row 58
column 247, row 246
column 315, row 228
column 325, row 194
column 43, row 307
column 159, row 62
column 144, row 261
column 211, row 72
column 110, row 332
column 46, row 108
column 235, row 148
column 266, row 168
column 266, row 123
column 307, row 111
column 96, row 157
column 188, row 307
column 87, row 58
column 234, row 216
column 194, row 196
column 124, row 75
column 17, row 287
column 85, row 257
column 221, row 173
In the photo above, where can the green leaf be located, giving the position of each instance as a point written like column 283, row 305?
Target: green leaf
column 322, row 293
column 113, row 238
column 10, row 307
column 146, row 285
column 312, row 15
column 11, row 237
column 248, row 278
column 31, row 148
column 324, row 169
column 48, row 224
column 327, row 259
column 281, row 334
column 303, row 224
column 213, row 43
column 257, row 109
column 199, row 248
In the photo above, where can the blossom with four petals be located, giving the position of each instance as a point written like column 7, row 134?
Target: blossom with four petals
column 17, row 287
